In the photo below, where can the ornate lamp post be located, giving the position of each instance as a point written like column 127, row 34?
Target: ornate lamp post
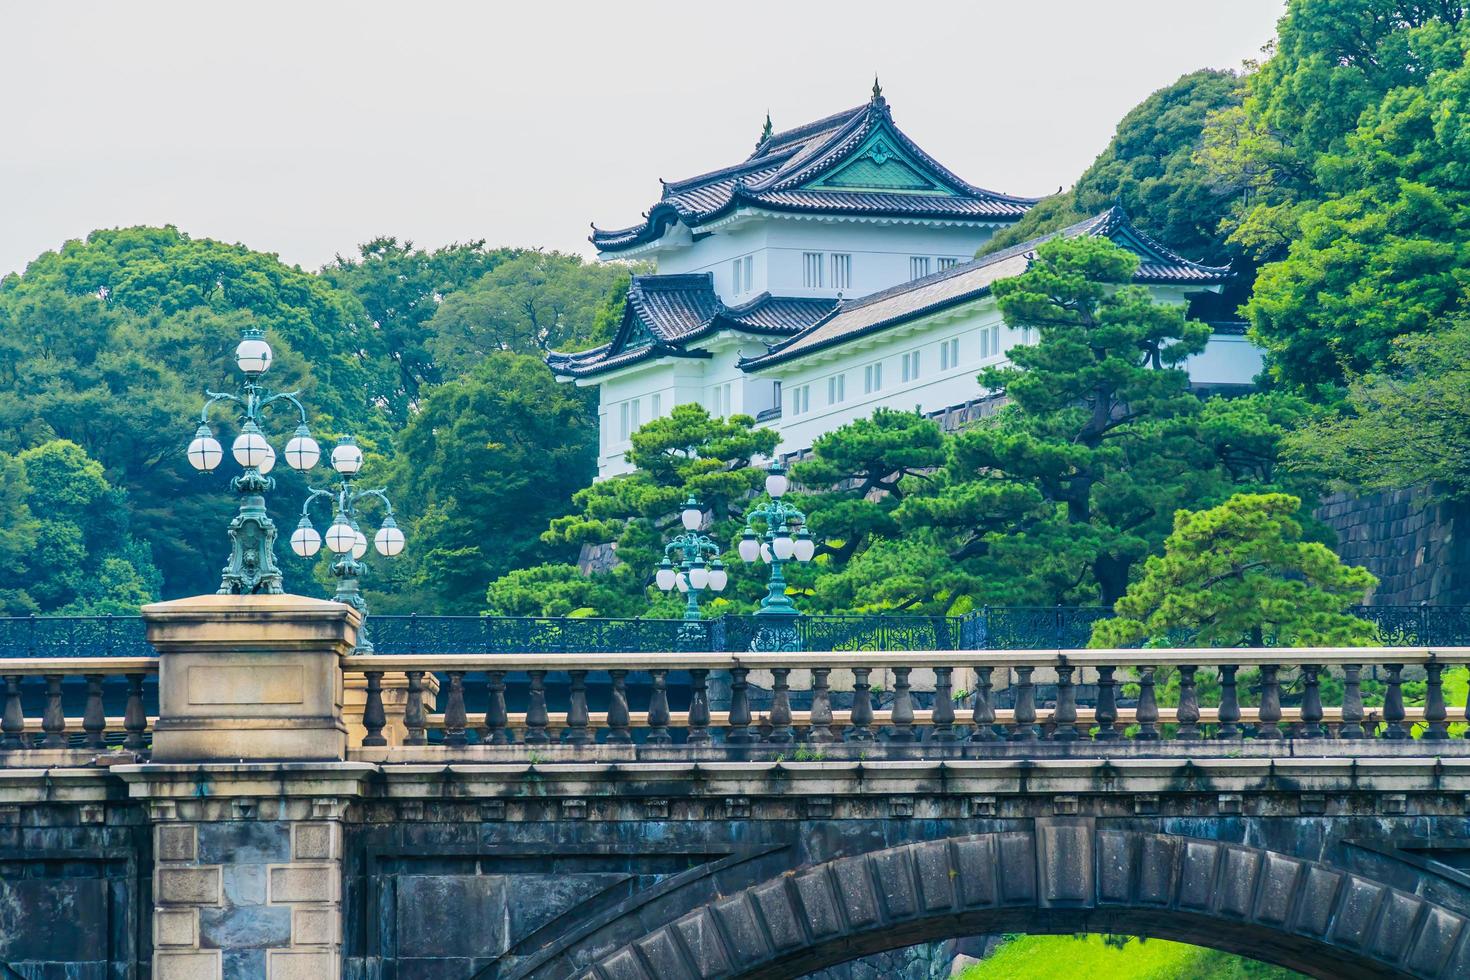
column 344, row 538
column 695, row 564
column 785, row 539
column 252, row 566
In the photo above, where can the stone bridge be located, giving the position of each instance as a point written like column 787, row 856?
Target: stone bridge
column 293, row 810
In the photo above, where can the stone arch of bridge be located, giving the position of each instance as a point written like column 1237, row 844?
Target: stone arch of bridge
column 1064, row 877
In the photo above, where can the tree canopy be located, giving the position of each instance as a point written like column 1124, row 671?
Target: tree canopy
column 65, row 538
column 1351, row 144
column 1238, row 575
column 488, row 460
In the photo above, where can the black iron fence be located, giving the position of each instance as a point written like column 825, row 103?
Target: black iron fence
column 990, row 628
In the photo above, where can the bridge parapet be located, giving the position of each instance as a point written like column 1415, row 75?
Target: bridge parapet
column 272, row 843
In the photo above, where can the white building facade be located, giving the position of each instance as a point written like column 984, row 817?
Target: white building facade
column 828, row 275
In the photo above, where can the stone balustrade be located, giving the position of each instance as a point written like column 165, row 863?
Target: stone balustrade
column 47, row 736
column 1125, row 687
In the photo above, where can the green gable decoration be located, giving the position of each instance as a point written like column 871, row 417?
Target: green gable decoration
column 880, row 165
column 637, row 335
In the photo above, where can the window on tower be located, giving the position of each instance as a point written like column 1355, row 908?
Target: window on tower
column 841, row 270
column 812, row 270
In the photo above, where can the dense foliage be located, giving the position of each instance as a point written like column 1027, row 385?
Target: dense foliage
column 486, row 462
column 110, row 343
column 1352, row 144
column 1237, row 574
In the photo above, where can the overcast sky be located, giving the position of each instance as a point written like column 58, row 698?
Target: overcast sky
column 304, row 128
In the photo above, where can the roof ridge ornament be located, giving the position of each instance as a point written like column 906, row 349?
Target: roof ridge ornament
column 766, row 131
column 877, row 92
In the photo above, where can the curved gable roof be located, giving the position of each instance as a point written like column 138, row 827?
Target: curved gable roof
column 664, row 314
column 787, row 172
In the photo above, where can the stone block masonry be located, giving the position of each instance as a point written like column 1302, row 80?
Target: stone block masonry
column 246, row 899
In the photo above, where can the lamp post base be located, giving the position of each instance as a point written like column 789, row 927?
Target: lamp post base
column 252, row 568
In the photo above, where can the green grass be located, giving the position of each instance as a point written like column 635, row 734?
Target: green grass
column 1049, row 957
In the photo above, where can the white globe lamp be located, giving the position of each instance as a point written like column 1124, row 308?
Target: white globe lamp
column 205, row 452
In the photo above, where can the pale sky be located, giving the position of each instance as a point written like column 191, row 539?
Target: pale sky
column 306, row 127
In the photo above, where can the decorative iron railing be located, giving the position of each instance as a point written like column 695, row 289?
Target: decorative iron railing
column 990, row 628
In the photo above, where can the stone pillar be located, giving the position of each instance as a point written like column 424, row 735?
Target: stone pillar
column 250, row 677
column 245, row 889
column 247, row 787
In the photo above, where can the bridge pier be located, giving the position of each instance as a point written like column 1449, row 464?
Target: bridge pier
column 247, row 879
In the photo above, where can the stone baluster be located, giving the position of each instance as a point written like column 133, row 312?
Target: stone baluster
column 1312, row 703
column 455, row 719
column 53, row 722
column 373, row 717
column 984, row 710
column 12, row 722
column 1148, row 706
column 1187, row 713
column 860, row 728
column 737, row 731
column 94, row 722
column 820, row 731
column 698, row 707
column 658, row 709
column 618, row 732
column 1436, row 719
column 902, row 714
column 1393, row 704
column 943, row 706
column 1269, row 728
column 1064, row 718
column 537, row 721
column 578, row 730
column 414, row 723
column 1352, row 702
column 1107, row 705
column 1229, row 705
column 781, row 733
column 497, row 719
column 135, row 720
column 1025, row 728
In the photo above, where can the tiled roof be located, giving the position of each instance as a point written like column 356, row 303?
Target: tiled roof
column 665, row 313
column 1158, row 265
column 778, row 174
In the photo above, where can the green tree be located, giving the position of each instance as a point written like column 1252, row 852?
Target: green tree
column 850, row 488
column 1406, row 425
column 83, row 560
column 527, row 304
column 110, row 343
column 1095, row 434
column 402, row 287
column 1150, row 168
column 1330, row 62
column 684, row 453
column 1386, row 254
column 1349, row 152
column 484, row 464
column 1238, row 574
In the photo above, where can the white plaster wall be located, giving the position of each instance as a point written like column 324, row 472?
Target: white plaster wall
column 676, row 381
column 1229, row 359
column 880, row 253
column 932, row 390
